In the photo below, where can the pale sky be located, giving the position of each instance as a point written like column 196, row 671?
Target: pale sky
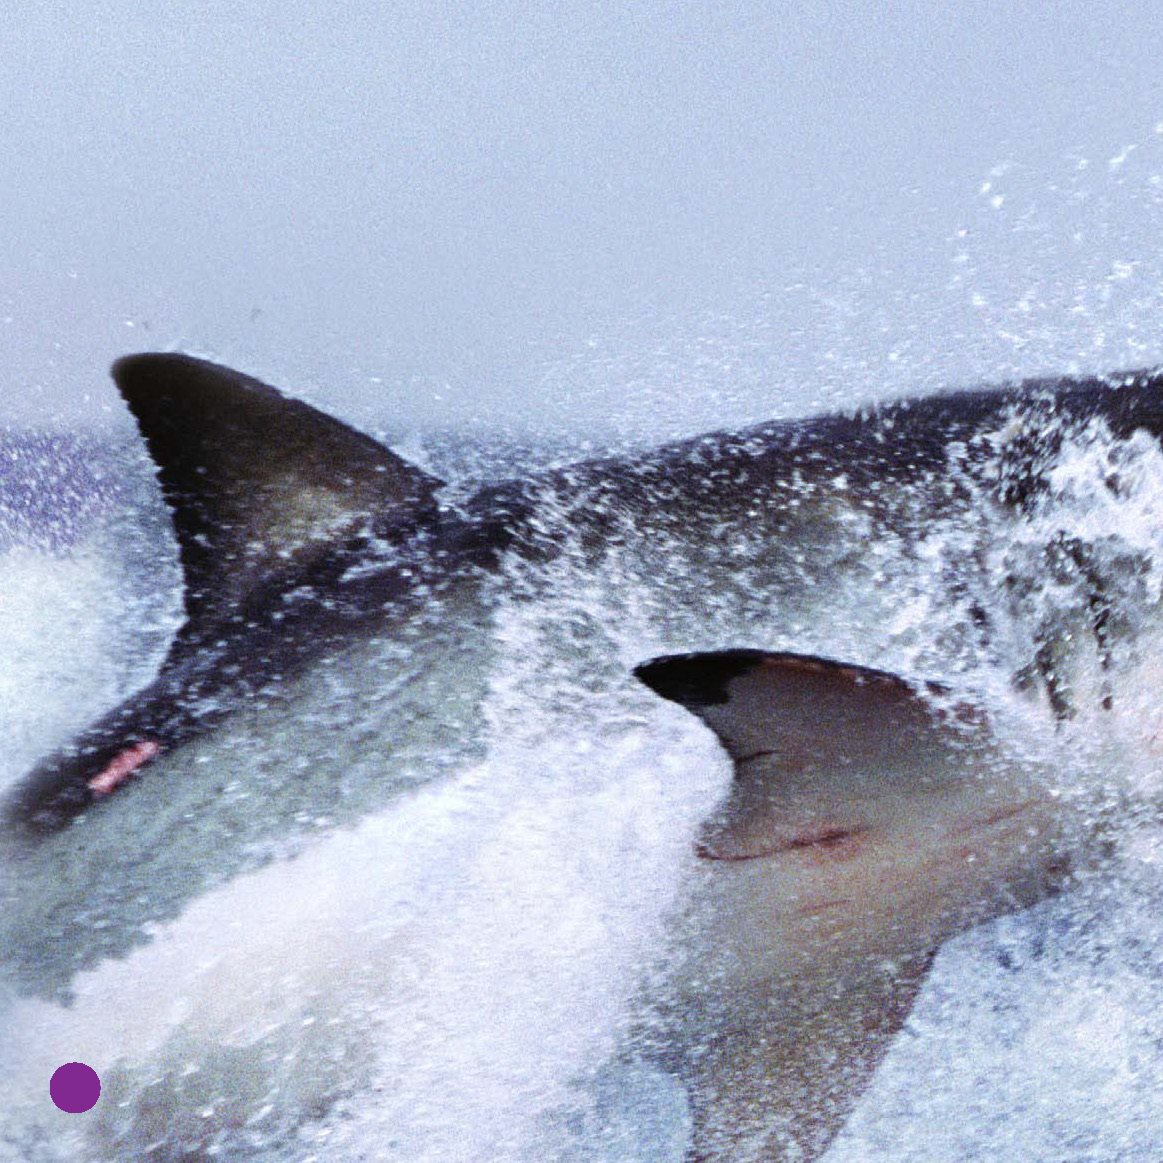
column 656, row 215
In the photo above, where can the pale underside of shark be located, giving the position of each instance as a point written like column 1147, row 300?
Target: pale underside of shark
column 870, row 817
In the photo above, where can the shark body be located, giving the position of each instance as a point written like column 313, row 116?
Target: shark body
column 337, row 647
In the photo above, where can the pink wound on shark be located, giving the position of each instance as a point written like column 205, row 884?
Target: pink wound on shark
column 123, row 765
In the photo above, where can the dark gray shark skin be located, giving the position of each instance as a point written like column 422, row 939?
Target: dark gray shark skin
column 336, row 651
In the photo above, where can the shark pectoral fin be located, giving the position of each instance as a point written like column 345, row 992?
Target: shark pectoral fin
column 778, row 1083
column 867, row 814
column 825, row 753
column 754, row 700
column 259, row 484
column 868, row 820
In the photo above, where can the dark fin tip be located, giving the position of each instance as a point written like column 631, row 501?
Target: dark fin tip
column 139, row 362
column 700, row 680
column 697, row 680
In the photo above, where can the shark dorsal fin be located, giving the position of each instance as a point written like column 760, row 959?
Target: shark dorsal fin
column 259, row 485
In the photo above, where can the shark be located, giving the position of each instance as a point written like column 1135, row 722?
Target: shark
column 340, row 607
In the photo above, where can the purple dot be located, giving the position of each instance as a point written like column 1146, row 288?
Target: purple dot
column 75, row 1087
